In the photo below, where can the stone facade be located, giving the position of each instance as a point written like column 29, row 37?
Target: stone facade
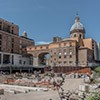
column 12, row 45
column 74, row 51
column 21, row 51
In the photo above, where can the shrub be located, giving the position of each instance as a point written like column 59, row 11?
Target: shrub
column 95, row 96
column 97, row 70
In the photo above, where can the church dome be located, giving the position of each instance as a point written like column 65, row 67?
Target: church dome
column 24, row 34
column 77, row 26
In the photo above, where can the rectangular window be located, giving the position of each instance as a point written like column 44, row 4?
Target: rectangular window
column 59, row 62
column 70, row 56
column 24, row 62
column 70, row 44
column 0, row 27
column 20, row 46
column 12, row 59
column 12, row 39
column 0, row 58
column 64, row 50
column 64, row 44
column 54, row 52
column 41, row 47
column 12, row 50
column 47, row 47
column 59, row 57
column 12, row 45
column 0, row 48
column 0, row 36
column 6, row 28
column 55, row 59
column 0, row 42
column 20, row 61
column 12, row 31
column 65, row 62
column 59, row 45
column 70, row 49
column 70, row 62
column 64, row 56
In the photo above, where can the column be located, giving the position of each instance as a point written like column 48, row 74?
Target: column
column 29, row 70
column 35, row 61
column 1, row 58
column 10, row 59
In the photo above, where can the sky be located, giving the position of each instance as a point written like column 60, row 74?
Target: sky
column 45, row 19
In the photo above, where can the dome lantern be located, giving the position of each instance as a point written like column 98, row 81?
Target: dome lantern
column 77, row 19
column 77, row 29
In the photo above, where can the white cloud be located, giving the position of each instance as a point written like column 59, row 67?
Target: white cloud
column 42, row 42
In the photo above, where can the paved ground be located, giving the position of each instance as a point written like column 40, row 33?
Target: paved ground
column 70, row 84
column 31, row 96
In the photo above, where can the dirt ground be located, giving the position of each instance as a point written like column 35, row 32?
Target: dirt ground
column 70, row 84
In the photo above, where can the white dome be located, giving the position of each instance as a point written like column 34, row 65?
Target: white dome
column 24, row 34
column 77, row 25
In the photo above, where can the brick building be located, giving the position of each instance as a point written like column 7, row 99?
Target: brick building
column 12, row 53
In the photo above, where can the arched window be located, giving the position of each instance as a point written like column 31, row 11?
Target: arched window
column 80, row 36
column 74, row 35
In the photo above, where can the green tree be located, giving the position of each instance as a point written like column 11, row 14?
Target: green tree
column 95, row 96
column 97, row 70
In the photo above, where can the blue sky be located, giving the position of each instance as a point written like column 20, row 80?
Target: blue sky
column 44, row 19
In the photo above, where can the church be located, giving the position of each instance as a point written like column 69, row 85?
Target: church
column 77, row 50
